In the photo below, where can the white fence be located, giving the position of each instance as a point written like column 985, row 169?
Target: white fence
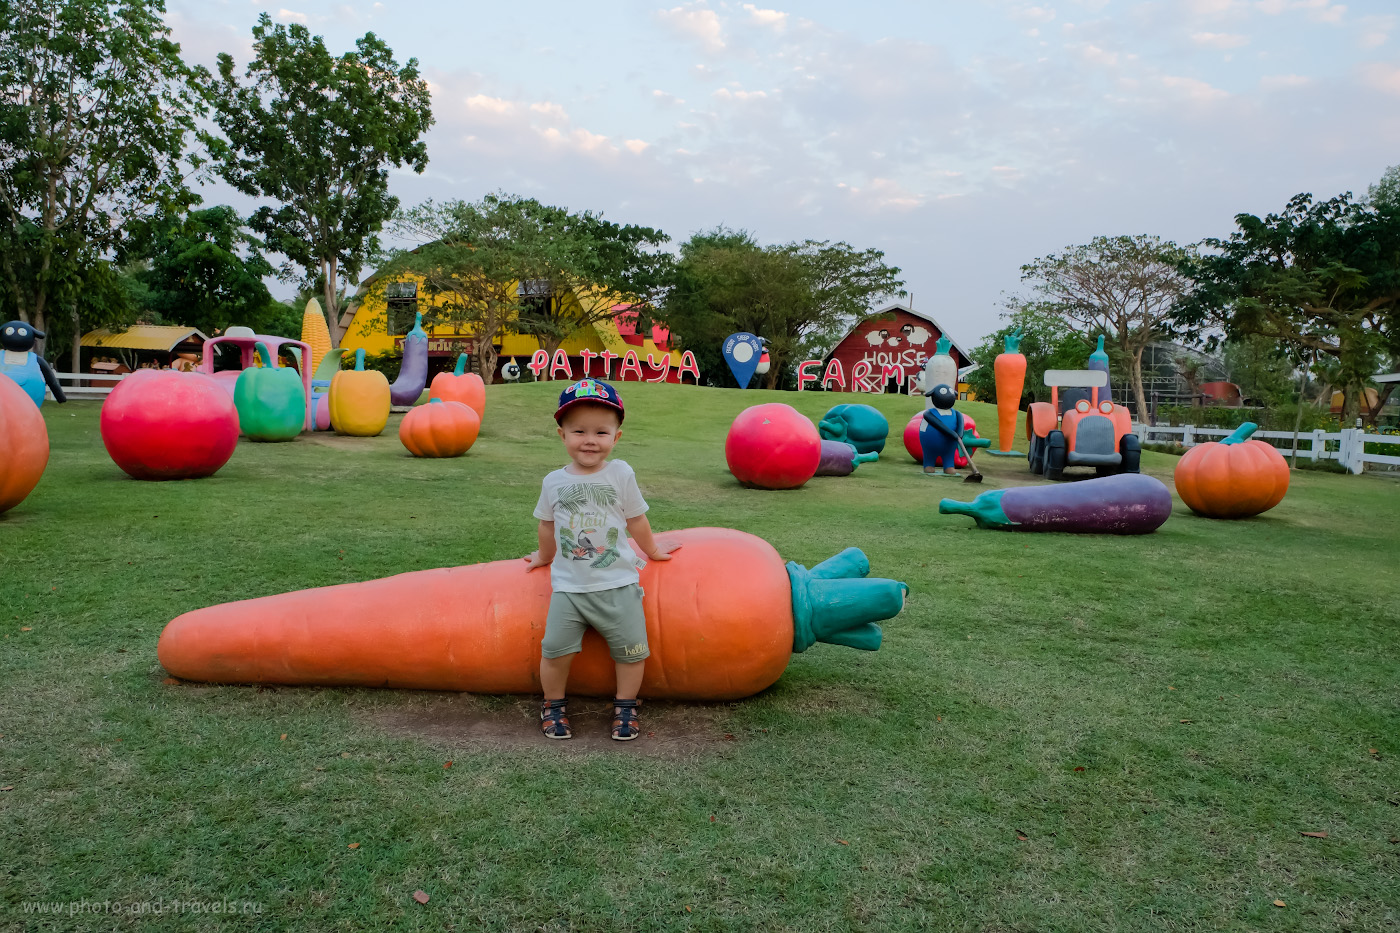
column 1348, row 446
column 72, row 387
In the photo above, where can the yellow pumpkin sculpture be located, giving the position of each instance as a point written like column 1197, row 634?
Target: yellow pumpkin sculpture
column 439, row 429
column 359, row 400
column 1235, row 478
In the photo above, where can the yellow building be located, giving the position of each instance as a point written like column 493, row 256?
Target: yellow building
column 377, row 319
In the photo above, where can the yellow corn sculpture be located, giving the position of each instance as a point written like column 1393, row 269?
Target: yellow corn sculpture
column 314, row 332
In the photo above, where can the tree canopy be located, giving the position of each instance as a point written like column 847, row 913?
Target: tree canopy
column 800, row 297
column 1386, row 192
column 203, row 269
column 1047, row 342
column 600, row 263
column 318, row 134
column 96, row 107
column 1126, row 288
column 469, row 261
column 1321, row 278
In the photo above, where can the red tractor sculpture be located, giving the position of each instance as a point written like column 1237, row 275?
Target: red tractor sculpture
column 1077, row 429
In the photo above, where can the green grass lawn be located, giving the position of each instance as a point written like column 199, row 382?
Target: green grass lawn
column 1059, row 733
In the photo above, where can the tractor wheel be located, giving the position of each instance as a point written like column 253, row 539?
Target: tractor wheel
column 1034, row 455
column 1055, row 455
column 1131, row 449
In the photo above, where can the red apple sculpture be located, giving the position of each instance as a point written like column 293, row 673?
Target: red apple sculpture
column 162, row 424
column 773, row 446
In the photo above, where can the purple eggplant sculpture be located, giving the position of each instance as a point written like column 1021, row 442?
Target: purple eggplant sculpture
column 413, row 374
column 1126, row 504
column 841, row 459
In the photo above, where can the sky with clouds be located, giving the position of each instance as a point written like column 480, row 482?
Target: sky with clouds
column 962, row 139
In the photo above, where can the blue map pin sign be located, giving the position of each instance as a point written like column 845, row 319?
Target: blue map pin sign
column 742, row 352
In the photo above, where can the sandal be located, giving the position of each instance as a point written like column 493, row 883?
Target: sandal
column 625, row 726
column 553, row 723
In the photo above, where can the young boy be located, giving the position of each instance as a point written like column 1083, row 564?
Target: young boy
column 587, row 511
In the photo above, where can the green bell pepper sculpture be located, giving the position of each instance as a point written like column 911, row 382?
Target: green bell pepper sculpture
column 271, row 402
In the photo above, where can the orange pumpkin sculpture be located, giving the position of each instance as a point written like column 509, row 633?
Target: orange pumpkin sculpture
column 723, row 618
column 1235, row 478
column 24, row 444
column 460, row 386
column 439, row 429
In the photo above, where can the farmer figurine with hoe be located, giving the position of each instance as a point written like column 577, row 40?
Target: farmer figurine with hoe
column 941, row 434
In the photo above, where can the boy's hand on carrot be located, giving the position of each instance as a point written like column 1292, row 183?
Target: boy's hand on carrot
column 533, row 559
column 664, row 549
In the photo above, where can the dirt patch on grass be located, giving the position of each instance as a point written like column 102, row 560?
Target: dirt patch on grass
column 669, row 730
column 342, row 441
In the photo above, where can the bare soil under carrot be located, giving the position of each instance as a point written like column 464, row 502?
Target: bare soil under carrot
column 474, row 725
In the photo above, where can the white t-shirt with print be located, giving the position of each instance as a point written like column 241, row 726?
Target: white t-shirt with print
column 590, row 514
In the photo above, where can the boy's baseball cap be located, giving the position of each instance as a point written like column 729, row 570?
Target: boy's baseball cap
column 593, row 391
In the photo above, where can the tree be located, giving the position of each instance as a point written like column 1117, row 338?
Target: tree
column 1386, row 192
column 1320, row 278
column 318, row 135
column 1124, row 287
column 687, row 308
column 205, row 270
column 470, row 262
column 799, row 297
column 1261, row 369
column 95, row 109
column 600, row 263
column 845, row 283
column 1047, row 342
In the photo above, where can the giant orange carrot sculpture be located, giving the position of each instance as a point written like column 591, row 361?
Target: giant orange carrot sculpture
column 723, row 617
column 1011, row 379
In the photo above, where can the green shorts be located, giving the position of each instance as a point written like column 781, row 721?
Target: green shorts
column 615, row 614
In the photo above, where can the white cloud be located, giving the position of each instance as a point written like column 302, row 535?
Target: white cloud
column 551, row 110
column 1219, row 40
column 291, row 16
column 590, row 142
column 636, row 146
column 725, row 93
column 1194, row 88
column 483, row 104
column 665, row 99
column 1214, row 8
column 695, row 22
column 1034, row 14
column 773, row 18
column 883, row 194
column 1376, row 31
column 1323, row 11
column 1283, row 82
column 1092, row 53
column 1382, row 76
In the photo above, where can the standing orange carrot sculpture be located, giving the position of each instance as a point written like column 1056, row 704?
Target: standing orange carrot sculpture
column 1011, row 379
column 723, row 618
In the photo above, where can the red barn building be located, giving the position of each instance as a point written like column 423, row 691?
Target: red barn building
column 883, row 351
